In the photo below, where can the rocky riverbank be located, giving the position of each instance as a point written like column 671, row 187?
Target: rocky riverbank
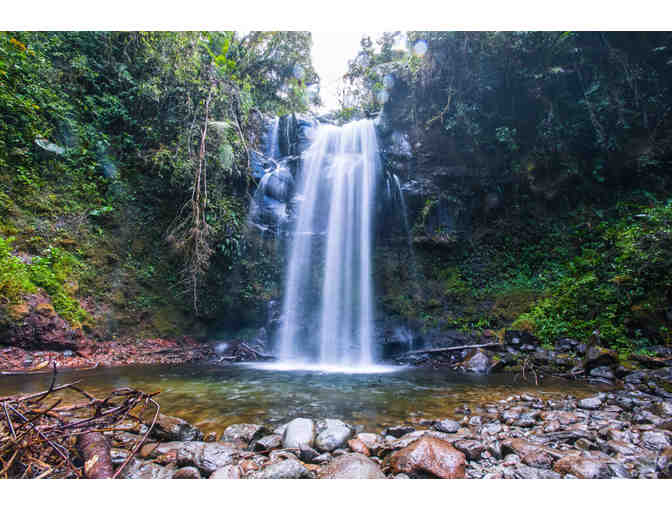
column 87, row 354
column 623, row 433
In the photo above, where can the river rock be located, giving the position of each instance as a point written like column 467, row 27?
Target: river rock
column 167, row 452
column 582, row 467
column 358, row 446
column 538, row 459
column 447, row 426
column 532, row 473
column 590, row 403
column 207, row 457
column 599, row 356
column 603, row 373
column 471, row 448
column 655, row 439
column 138, row 470
column 399, row 430
column 372, row 441
column 285, row 469
column 477, row 361
column 246, row 432
column 429, row 455
column 226, row 473
column 172, row 428
column 308, row 454
column 332, row 434
column 664, row 463
column 267, row 443
column 299, row 431
column 520, row 447
column 187, row 473
column 351, row 465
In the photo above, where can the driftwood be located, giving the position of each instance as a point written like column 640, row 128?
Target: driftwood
column 95, row 452
column 40, row 438
column 448, row 349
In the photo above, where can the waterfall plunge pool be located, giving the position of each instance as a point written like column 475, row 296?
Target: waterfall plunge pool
column 213, row 396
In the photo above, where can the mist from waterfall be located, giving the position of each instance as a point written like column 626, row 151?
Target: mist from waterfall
column 332, row 237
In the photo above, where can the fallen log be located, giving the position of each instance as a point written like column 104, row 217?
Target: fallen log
column 447, row 349
column 95, row 452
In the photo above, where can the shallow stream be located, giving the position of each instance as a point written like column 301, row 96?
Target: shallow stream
column 213, row 397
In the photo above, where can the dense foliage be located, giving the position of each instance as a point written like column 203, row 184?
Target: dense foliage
column 115, row 138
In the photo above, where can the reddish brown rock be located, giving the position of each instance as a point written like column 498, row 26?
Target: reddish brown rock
column 358, row 447
column 429, row 455
column 582, row 467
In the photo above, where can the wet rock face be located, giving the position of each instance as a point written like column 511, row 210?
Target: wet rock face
column 351, row 465
column 429, row 455
column 299, row 432
column 331, row 435
column 172, row 428
column 187, row 473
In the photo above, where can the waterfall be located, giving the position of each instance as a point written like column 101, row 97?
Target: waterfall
column 273, row 139
column 328, row 301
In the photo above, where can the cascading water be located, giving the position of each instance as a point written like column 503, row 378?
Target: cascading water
column 332, row 237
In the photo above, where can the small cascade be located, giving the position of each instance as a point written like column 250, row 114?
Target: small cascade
column 328, row 302
column 273, row 149
column 404, row 212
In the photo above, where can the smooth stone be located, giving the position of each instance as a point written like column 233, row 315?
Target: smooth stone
column 358, row 446
column 655, row 440
column 267, row 443
column 285, row 469
column 429, row 455
column 187, row 473
column 590, row 403
column 447, row 426
column 332, row 434
column 207, row 457
column 226, row 473
column 582, row 467
column 242, row 431
column 299, row 432
column 471, row 448
column 172, row 428
column 351, row 465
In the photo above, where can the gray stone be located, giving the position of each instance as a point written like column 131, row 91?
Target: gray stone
column 242, row 431
column 226, row 473
column 447, row 426
column 285, row 469
column 655, row 439
column 172, row 428
column 267, row 443
column 207, row 457
column 351, row 465
column 590, row 403
column 332, row 434
column 299, row 432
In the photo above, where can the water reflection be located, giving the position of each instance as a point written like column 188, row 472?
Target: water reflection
column 214, row 397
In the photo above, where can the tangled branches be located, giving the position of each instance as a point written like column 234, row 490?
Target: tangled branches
column 40, row 438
